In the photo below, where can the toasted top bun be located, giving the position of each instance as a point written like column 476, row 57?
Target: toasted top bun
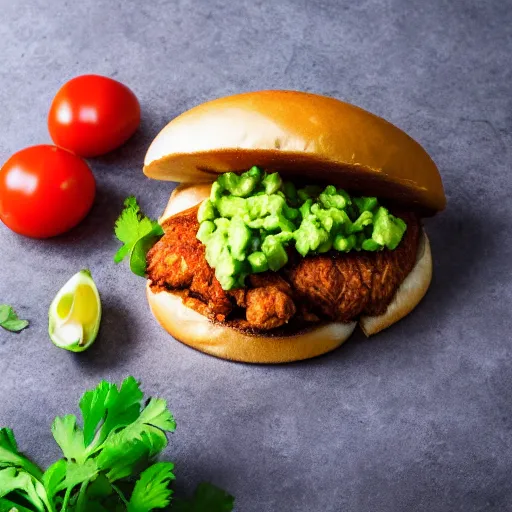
column 195, row 330
column 297, row 134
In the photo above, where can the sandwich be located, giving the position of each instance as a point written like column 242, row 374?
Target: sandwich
column 297, row 218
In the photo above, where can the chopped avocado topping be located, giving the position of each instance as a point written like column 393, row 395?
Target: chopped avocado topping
column 251, row 219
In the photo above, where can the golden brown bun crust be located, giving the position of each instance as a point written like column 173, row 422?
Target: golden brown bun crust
column 297, row 134
column 195, row 330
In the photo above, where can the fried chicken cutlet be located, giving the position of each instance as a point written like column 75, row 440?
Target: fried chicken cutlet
column 332, row 286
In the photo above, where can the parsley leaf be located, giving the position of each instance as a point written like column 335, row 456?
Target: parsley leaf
column 9, row 319
column 138, row 234
column 152, row 489
column 207, row 498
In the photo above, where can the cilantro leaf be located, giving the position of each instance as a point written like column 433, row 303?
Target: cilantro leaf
column 99, row 489
column 19, row 475
column 157, row 414
column 5, row 311
column 78, row 473
column 123, row 406
column 70, row 437
column 99, row 497
column 138, row 442
column 120, row 460
column 138, row 234
column 149, row 428
column 129, row 222
column 11, row 457
column 140, row 249
column 14, row 480
column 93, row 405
column 108, row 408
column 207, row 498
column 54, row 476
column 9, row 506
column 119, row 439
column 152, row 489
column 9, row 319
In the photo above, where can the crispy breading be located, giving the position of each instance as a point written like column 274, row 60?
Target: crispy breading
column 240, row 296
column 270, row 279
column 268, row 307
column 177, row 261
column 333, row 286
column 343, row 286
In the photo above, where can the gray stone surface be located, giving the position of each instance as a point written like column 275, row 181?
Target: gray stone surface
column 417, row 419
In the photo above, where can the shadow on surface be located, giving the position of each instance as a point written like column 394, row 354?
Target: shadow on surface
column 462, row 245
column 132, row 152
column 114, row 342
column 190, row 474
column 97, row 226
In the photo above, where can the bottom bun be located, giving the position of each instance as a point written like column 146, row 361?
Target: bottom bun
column 195, row 330
column 408, row 295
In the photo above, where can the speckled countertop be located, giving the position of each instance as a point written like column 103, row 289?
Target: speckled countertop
column 417, row 419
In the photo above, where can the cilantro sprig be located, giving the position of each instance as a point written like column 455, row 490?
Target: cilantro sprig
column 138, row 234
column 109, row 462
column 9, row 319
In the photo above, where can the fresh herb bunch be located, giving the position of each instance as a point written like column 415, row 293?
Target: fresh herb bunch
column 109, row 462
column 138, row 234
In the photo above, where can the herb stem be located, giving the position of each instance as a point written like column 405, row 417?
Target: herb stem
column 120, row 493
column 66, row 499
column 80, row 505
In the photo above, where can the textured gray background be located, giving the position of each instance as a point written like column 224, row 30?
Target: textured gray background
column 417, row 419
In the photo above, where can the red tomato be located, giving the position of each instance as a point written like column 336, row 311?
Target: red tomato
column 92, row 115
column 45, row 191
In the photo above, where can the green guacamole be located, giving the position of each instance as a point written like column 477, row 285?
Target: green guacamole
column 251, row 219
